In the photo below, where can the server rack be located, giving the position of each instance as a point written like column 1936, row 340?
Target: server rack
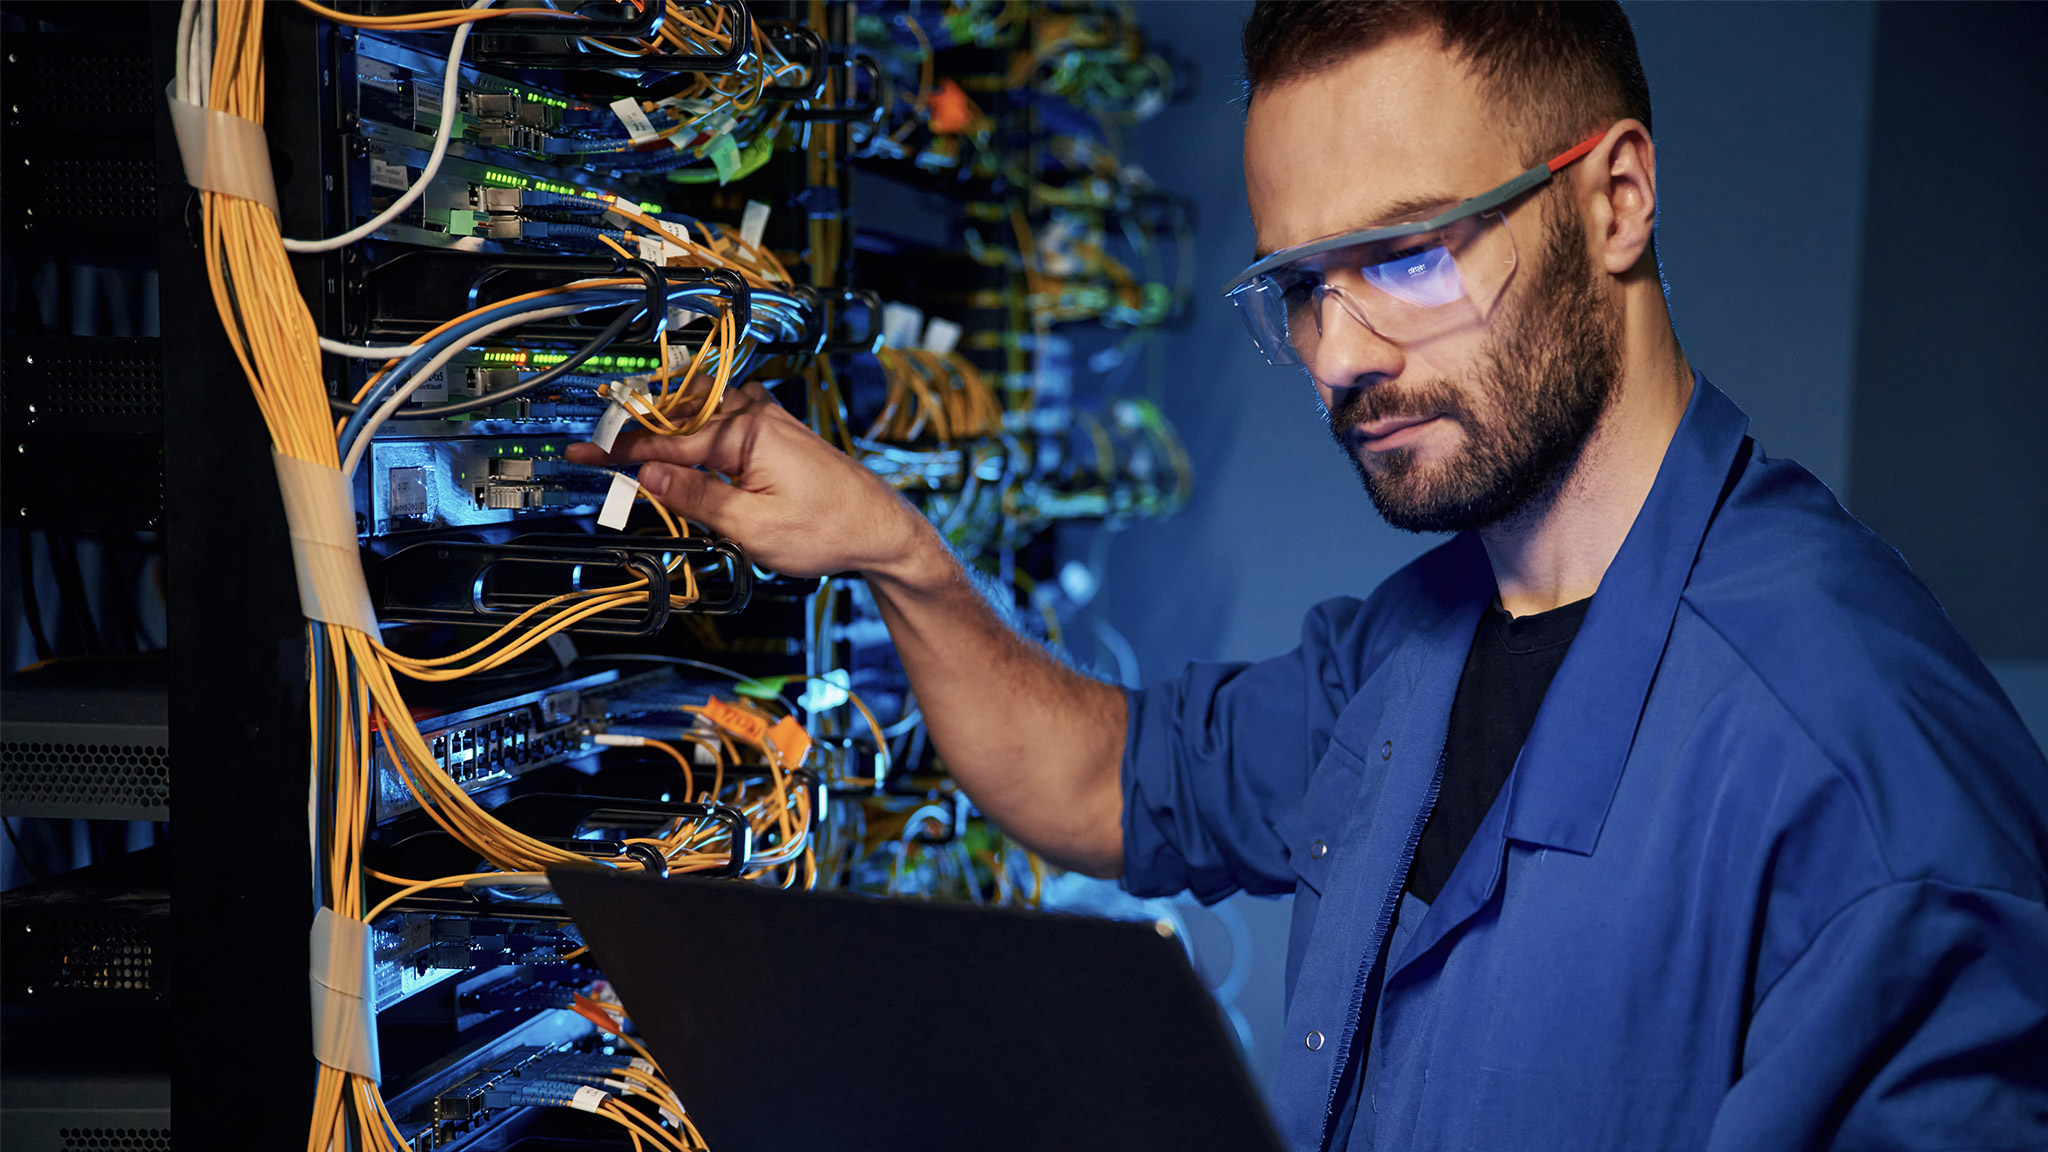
column 171, row 441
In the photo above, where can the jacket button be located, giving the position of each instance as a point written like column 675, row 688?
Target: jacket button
column 1318, row 850
column 1314, row 1040
column 1387, row 750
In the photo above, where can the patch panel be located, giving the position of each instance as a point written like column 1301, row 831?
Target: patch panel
column 491, row 744
column 414, row 951
column 471, row 481
column 429, row 1123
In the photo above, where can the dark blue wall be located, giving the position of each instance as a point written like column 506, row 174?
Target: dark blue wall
column 1951, row 424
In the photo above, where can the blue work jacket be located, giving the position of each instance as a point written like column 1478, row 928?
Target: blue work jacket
column 1768, row 873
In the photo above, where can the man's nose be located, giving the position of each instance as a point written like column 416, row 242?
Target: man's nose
column 1350, row 353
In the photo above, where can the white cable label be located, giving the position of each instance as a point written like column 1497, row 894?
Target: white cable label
column 563, row 648
column 387, row 175
column 754, row 223
column 941, row 335
column 618, row 501
column 435, row 387
column 587, row 1098
column 900, row 325
column 719, row 123
column 608, row 425
column 642, row 1063
column 638, row 126
column 675, row 1120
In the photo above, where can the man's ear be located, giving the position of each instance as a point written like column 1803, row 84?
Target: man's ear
column 1618, row 189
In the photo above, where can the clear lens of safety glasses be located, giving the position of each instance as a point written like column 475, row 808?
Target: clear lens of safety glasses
column 1404, row 288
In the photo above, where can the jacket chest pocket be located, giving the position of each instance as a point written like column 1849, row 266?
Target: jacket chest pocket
column 1315, row 830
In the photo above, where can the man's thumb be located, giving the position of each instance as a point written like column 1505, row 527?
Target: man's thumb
column 698, row 495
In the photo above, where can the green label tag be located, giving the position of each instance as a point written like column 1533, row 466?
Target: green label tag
column 765, row 688
column 725, row 156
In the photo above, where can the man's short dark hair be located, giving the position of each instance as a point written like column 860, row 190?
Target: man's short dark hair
column 1560, row 70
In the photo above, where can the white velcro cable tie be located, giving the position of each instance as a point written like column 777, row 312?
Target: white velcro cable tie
column 320, row 511
column 588, row 1098
column 344, row 1012
column 618, row 502
column 223, row 153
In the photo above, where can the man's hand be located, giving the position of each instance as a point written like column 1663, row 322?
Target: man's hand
column 798, row 505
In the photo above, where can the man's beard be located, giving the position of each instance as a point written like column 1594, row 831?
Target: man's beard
column 1545, row 377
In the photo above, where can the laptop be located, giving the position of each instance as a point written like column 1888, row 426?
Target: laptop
column 790, row 1021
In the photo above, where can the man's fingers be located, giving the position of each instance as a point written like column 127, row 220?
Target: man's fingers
column 696, row 495
column 722, row 445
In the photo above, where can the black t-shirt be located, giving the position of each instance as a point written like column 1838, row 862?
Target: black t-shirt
column 1506, row 674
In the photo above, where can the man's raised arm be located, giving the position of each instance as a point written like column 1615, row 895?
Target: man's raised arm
column 1038, row 745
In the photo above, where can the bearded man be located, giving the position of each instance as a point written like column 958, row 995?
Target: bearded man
column 1661, row 807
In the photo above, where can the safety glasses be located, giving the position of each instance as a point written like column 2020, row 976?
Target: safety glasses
column 1405, row 282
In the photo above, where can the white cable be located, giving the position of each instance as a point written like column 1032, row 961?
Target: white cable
column 396, row 351
column 202, row 54
column 427, row 370
column 367, row 352
column 450, row 100
column 187, row 13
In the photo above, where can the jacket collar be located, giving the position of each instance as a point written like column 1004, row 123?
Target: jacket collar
column 1571, row 764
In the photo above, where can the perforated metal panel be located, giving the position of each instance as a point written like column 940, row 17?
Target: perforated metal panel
column 97, row 954
column 90, row 200
column 83, row 384
column 115, row 1139
column 98, row 187
column 79, row 86
column 85, row 1129
column 104, row 382
column 37, row 779
column 86, row 739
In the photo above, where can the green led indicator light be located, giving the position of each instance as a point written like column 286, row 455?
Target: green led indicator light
column 519, row 449
column 650, row 206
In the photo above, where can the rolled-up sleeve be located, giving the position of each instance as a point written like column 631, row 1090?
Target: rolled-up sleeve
column 1215, row 757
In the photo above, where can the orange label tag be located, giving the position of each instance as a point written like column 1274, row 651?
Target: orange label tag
column 791, row 742
column 736, row 720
